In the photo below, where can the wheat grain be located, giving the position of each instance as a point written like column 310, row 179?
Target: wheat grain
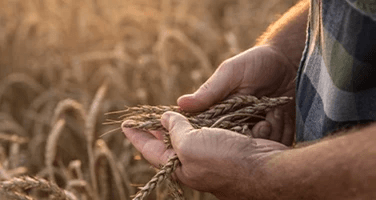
column 146, row 109
column 164, row 173
column 232, row 114
column 27, row 182
column 176, row 190
column 227, row 106
column 50, row 41
column 14, row 195
column 17, row 171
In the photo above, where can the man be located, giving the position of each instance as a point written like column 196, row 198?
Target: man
column 334, row 88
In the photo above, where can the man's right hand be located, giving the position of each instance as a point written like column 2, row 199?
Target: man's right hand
column 259, row 71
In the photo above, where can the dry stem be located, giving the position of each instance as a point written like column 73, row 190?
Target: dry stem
column 237, row 114
column 26, row 183
column 164, row 173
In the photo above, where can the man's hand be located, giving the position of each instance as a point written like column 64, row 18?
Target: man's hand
column 213, row 160
column 260, row 71
column 233, row 166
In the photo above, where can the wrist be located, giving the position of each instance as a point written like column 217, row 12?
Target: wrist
column 288, row 34
column 262, row 176
column 253, row 173
column 291, row 59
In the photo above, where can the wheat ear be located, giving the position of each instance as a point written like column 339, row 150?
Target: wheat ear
column 27, row 182
column 14, row 195
column 236, row 114
column 164, row 173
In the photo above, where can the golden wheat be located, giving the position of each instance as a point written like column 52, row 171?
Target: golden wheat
column 51, row 147
column 90, row 129
column 26, row 183
column 233, row 114
column 54, row 55
column 72, row 184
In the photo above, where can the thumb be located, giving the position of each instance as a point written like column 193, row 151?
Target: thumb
column 177, row 125
column 216, row 88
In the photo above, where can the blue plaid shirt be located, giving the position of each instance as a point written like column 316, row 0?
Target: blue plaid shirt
column 336, row 81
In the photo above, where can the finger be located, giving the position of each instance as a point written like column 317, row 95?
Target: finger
column 151, row 148
column 276, row 120
column 288, row 133
column 177, row 125
column 262, row 129
column 158, row 134
column 215, row 89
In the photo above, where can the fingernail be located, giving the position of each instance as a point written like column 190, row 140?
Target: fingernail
column 183, row 97
column 265, row 131
column 277, row 113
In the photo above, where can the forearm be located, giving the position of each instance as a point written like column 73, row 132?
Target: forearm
column 288, row 34
column 338, row 168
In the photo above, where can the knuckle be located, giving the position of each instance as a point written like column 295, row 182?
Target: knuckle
column 205, row 87
column 174, row 120
column 225, row 65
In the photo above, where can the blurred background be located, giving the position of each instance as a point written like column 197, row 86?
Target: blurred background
column 65, row 63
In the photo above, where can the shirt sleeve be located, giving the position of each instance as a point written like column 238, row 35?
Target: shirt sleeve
column 366, row 7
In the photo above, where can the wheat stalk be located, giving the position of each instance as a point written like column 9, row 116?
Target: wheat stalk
column 90, row 122
column 228, row 106
column 229, row 114
column 74, row 168
column 105, row 152
column 176, row 190
column 13, row 138
column 80, row 183
column 237, row 114
column 164, row 173
column 26, row 183
column 51, row 147
column 14, row 155
column 102, row 177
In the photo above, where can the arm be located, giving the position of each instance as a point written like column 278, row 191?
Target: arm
column 342, row 167
column 218, row 160
column 233, row 166
column 268, row 69
column 288, row 34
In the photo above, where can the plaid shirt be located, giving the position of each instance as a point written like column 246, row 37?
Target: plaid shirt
column 336, row 81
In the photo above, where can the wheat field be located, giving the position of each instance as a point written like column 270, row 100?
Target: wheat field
column 65, row 63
